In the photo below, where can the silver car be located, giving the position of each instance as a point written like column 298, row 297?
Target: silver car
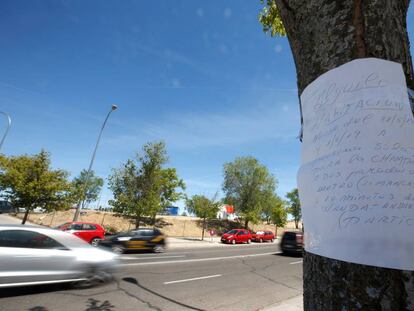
column 33, row 256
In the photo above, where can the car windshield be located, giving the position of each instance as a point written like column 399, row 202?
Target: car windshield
column 232, row 231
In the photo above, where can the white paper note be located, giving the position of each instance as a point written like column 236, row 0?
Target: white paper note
column 356, row 180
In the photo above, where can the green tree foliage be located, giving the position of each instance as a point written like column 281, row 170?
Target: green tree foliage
column 29, row 182
column 86, row 189
column 272, row 202
column 294, row 206
column 248, row 185
column 203, row 208
column 142, row 187
column 270, row 19
column 278, row 215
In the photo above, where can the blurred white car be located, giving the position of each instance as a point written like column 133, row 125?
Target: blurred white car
column 39, row 210
column 34, row 256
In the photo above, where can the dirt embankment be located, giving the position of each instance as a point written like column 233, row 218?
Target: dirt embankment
column 174, row 226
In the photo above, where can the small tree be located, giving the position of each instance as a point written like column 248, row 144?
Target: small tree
column 86, row 190
column 203, row 208
column 248, row 185
column 268, row 208
column 142, row 187
column 29, row 182
column 278, row 215
column 294, row 206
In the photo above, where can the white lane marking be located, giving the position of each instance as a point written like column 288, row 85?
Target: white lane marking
column 196, row 260
column 295, row 262
column 153, row 257
column 194, row 279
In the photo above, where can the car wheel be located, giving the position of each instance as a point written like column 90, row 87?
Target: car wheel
column 261, row 241
column 233, row 242
column 118, row 249
column 93, row 277
column 159, row 249
column 95, row 241
column 271, row 241
column 248, row 241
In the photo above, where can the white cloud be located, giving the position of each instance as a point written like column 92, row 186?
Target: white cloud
column 186, row 130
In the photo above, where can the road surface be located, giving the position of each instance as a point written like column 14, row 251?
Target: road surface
column 240, row 277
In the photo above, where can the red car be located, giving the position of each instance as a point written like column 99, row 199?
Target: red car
column 237, row 236
column 263, row 236
column 88, row 231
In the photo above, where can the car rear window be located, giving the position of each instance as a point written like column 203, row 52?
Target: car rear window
column 290, row 236
column 89, row 227
column 76, row 226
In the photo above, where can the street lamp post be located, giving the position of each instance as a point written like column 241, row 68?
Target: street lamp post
column 7, row 129
column 80, row 204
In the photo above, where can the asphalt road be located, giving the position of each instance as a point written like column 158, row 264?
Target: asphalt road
column 240, row 277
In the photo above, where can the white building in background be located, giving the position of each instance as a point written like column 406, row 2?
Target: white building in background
column 226, row 212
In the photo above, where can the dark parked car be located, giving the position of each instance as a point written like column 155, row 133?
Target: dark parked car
column 292, row 242
column 237, row 236
column 140, row 239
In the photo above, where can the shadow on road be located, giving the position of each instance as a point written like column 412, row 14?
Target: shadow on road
column 91, row 305
column 135, row 282
column 31, row 290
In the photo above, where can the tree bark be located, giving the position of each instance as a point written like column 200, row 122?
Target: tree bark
column 204, row 228
column 26, row 214
column 324, row 34
column 137, row 222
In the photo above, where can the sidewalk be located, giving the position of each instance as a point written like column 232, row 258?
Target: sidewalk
column 292, row 304
column 177, row 243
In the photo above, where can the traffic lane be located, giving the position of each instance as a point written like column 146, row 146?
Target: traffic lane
column 256, row 282
column 238, row 284
column 190, row 254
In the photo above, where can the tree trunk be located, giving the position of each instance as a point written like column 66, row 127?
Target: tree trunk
column 296, row 224
column 324, row 34
column 154, row 219
column 275, row 231
column 137, row 222
column 26, row 214
column 246, row 224
column 204, row 228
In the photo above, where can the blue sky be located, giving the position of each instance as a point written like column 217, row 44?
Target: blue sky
column 201, row 75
